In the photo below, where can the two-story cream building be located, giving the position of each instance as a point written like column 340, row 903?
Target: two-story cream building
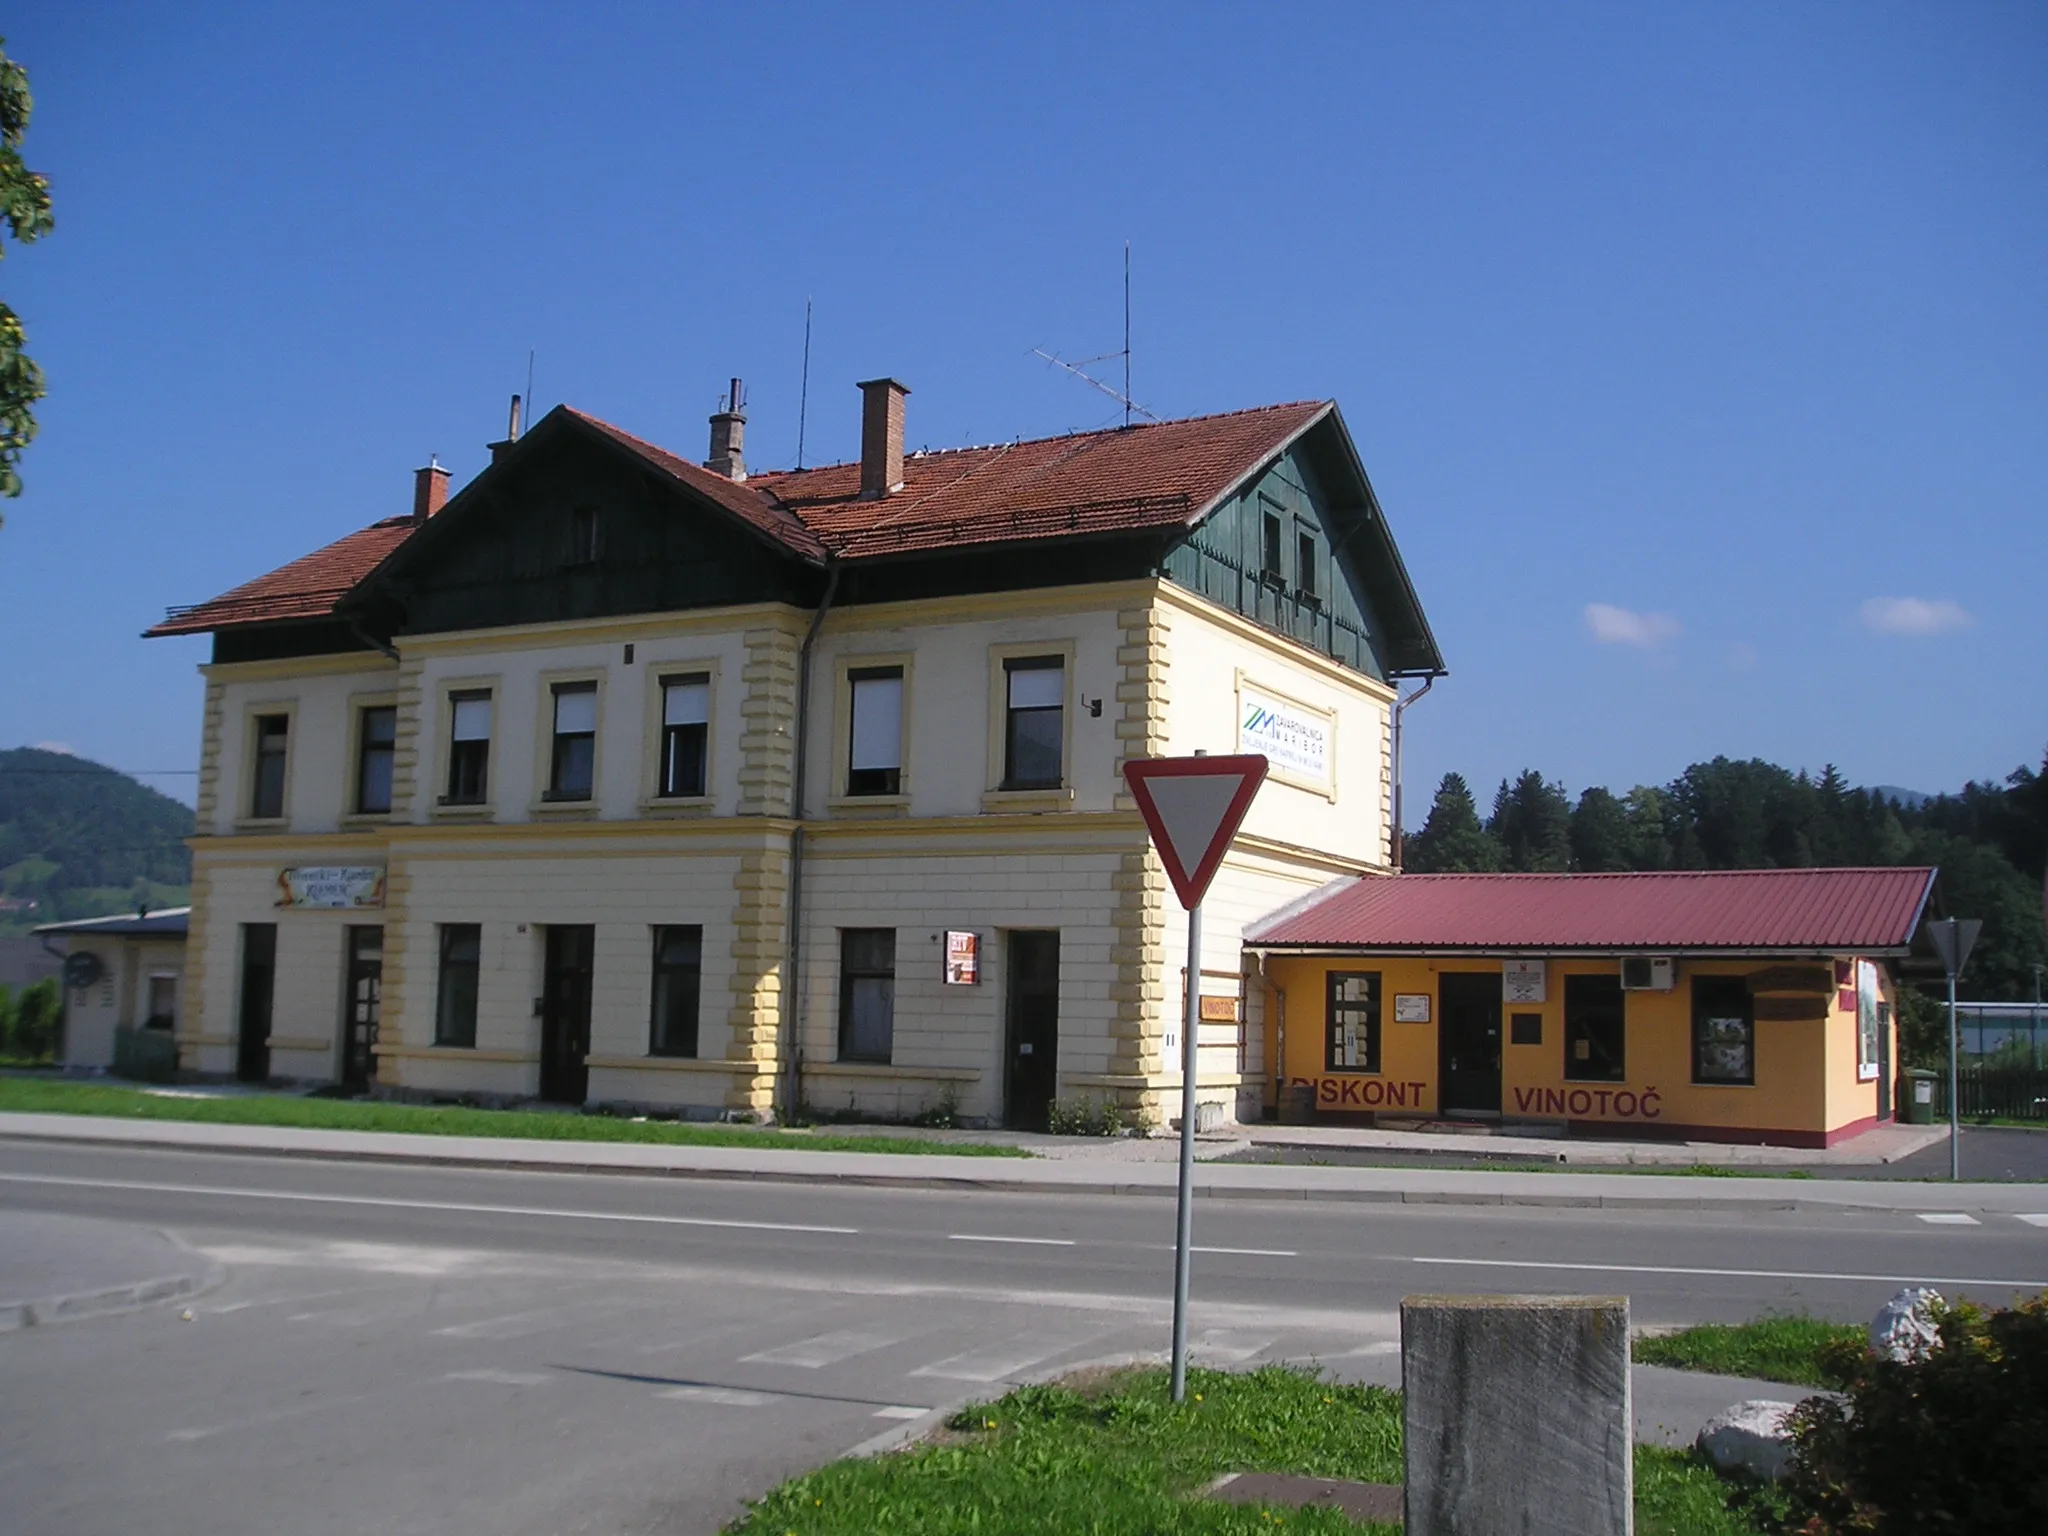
column 618, row 778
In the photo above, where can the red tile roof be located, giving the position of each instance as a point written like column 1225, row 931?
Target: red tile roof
column 1158, row 475
column 1834, row 910
column 308, row 588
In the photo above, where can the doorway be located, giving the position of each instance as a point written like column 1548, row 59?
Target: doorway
column 259, row 982
column 1468, row 1042
column 360, row 1007
column 1033, row 1029
column 565, row 1013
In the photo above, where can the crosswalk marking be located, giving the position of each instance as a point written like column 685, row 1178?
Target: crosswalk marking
column 2036, row 1219
column 985, row 1365
column 1231, row 1345
column 725, row 1397
column 904, row 1412
column 826, row 1349
column 502, row 1378
column 1948, row 1219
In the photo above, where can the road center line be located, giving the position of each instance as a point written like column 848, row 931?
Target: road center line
column 1256, row 1253
column 423, row 1205
column 1739, row 1274
column 983, row 1237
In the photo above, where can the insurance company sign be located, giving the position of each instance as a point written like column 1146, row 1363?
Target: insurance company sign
column 332, row 887
column 1294, row 737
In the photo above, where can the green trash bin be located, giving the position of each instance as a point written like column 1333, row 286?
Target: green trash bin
column 1916, row 1096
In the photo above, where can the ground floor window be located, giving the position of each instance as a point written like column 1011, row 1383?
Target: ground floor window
column 163, row 1002
column 678, row 977
column 1354, row 1022
column 455, row 1007
column 1723, row 1031
column 1594, row 1036
column 867, row 994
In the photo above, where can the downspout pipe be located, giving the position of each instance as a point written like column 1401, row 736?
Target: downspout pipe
column 791, row 994
column 1401, row 708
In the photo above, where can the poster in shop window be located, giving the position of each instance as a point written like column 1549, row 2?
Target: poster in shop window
column 1867, row 1021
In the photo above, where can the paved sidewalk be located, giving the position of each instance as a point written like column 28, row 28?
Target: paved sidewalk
column 1070, row 1175
column 55, row 1268
column 1882, row 1144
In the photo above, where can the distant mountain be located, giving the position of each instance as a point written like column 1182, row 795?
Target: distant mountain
column 1907, row 799
column 78, row 839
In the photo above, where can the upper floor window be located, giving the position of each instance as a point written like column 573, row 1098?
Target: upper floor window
column 1269, row 546
column 469, row 748
column 685, row 727
column 1034, row 734
column 584, row 536
column 376, row 743
column 574, row 761
column 875, row 759
column 267, row 796
column 1305, row 564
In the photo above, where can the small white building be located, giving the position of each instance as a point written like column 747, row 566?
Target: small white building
column 121, row 972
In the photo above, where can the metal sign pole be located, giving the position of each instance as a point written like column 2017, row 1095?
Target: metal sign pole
column 1184, row 1236
column 1955, row 1134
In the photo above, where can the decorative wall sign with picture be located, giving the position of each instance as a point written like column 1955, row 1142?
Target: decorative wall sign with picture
column 1411, row 1007
column 1522, row 981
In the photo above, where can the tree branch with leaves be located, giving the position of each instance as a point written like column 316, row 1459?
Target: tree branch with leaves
column 25, row 206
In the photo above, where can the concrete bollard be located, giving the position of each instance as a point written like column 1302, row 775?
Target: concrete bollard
column 1517, row 1419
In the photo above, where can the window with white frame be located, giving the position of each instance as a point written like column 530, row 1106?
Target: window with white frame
column 874, row 763
column 685, row 732
column 266, row 798
column 1034, row 733
column 376, row 748
column 573, row 763
column 469, row 748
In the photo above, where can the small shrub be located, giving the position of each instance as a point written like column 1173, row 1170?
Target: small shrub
column 943, row 1113
column 1948, row 1444
column 37, row 1017
column 1085, row 1117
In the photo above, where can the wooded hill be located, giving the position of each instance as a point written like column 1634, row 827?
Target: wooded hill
column 1990, row 841
column 79, row 839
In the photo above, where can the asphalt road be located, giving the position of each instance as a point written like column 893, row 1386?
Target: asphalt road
column 414, row 1349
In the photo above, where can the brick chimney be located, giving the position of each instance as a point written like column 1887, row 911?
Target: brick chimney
column 881, row 438
column 429, row 490
column 729, row 436
column 510, row 440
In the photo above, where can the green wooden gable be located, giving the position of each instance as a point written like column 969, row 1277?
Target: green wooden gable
column 1302, row 548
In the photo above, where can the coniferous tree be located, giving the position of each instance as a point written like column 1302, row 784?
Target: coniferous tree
column 1600, row 833
column 1532, row 823
column 1452, row 841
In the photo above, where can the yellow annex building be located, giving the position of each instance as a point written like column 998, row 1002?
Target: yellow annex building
column 1734, row 1005
column 617, row 778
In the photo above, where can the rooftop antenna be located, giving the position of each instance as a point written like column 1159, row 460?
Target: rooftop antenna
column 1122, row 396
column 803, row 402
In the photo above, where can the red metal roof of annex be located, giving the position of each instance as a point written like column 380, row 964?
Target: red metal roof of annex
column 1834, row 911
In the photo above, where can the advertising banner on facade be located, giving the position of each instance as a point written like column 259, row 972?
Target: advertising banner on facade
column 331, row 887
column 1294, row 738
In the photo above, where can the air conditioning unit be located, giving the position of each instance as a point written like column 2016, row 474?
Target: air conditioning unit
column 1648, row 973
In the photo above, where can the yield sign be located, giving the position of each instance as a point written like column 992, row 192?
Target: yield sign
column 1193, row 806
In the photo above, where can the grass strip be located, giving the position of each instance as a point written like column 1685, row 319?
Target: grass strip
column 28, row 1096
column 1794, row 1349
column 1109, row 1455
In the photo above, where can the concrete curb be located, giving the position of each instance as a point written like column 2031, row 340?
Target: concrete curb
column 1775, row 1200
column 47, row 1311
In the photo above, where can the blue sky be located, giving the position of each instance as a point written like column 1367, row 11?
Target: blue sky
column 1699, row 355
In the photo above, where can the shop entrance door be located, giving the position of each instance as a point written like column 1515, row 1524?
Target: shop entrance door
column 565, row 1013
column 259, row 981
column 1468, row 1042
column 1033, row 972
column 360, row 1008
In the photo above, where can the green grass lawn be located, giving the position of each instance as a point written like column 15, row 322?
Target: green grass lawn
column 1113, row 1457
column 28, row 1095
column 1791, row 1349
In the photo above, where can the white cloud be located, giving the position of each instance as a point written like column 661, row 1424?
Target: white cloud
column 56, row 746
column 1624, row 626
column 1913, row 615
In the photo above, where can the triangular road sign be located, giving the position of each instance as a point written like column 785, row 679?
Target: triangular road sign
column 1193, row 807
